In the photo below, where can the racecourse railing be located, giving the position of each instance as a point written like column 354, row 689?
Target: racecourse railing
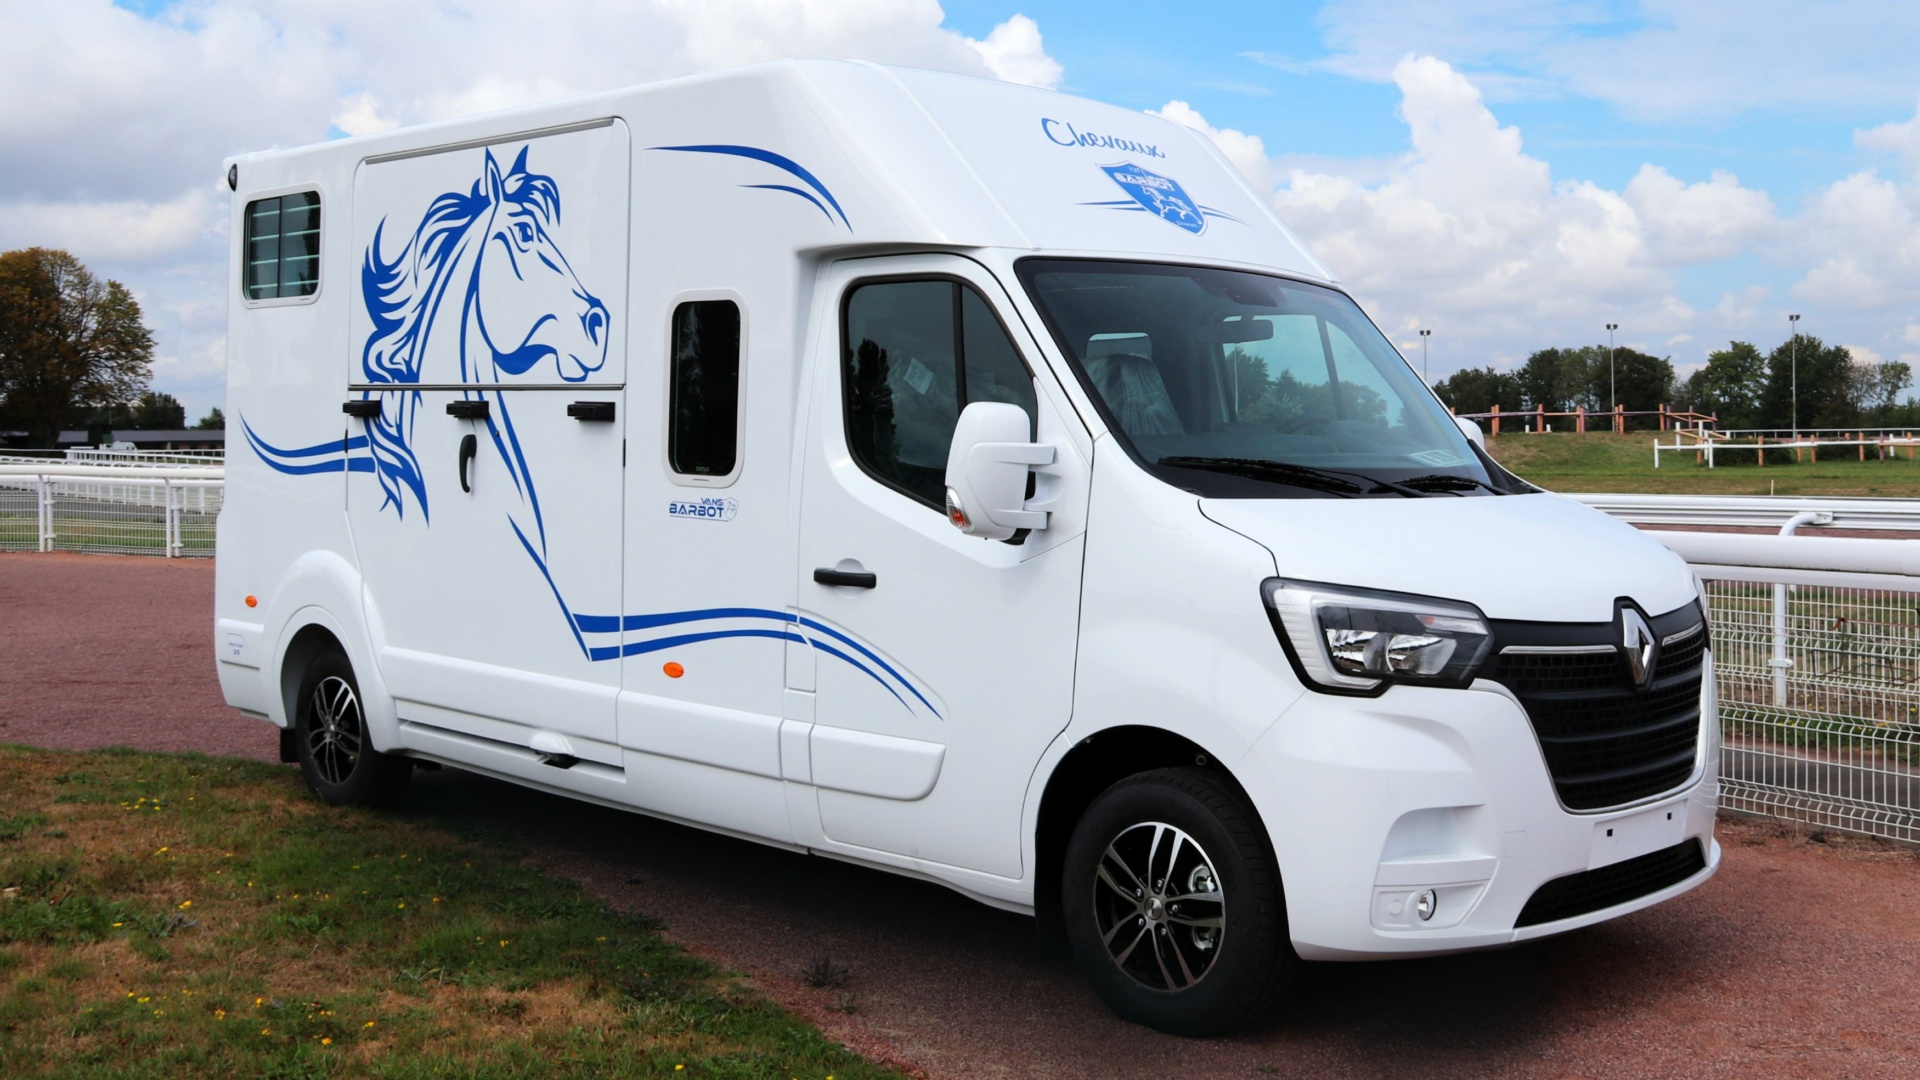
column 1816, row 653
column 121, row 509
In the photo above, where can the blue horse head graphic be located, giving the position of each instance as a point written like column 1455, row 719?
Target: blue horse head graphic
column 520, row 305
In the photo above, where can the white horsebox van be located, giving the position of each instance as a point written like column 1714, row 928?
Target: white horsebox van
column 961, row 479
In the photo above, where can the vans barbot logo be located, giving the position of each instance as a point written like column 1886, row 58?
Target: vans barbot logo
column 704, row 509
column 1160, row 195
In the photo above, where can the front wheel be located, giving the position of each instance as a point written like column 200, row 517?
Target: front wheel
column 336, row 755
column 1173, row 905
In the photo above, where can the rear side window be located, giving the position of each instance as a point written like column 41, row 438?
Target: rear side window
column 282, row 246
column 915, row 354
column 703, row 400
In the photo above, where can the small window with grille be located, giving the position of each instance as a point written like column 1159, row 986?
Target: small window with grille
column 282, row 246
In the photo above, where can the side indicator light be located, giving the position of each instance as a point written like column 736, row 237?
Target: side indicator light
column 253, row 601
column 673, row 669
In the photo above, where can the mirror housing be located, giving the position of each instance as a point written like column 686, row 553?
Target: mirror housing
column 1472, row 431
column 987, row 467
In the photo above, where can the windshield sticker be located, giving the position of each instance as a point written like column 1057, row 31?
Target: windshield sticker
column 1161, row 196
column 1440, row 458
column 704, row 509
column 918, row 375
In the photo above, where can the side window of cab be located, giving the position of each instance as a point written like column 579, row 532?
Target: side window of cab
column 914, row 354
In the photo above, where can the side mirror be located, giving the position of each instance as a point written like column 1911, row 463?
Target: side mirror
column 1472, row 431
column 987, row 467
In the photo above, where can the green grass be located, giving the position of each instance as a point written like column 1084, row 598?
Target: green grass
column 1561, row 461
column 175, row 915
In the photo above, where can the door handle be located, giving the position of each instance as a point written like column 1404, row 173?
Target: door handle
column 852, row 579
column 365, row 408
column 468, row 447
column 599, row 411
column 469, row 409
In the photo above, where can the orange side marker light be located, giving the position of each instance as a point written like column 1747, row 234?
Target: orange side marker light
column 253, row 601
column 673, row 669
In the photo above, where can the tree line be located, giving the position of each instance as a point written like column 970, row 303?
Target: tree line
column 1739, row 384
column 75, row 352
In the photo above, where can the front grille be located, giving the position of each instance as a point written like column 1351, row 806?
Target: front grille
column 1597, row 890
column 1606, row 741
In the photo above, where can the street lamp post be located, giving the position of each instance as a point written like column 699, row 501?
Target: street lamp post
column 1613, row 397
column 1793, row 321
column 1425, row 372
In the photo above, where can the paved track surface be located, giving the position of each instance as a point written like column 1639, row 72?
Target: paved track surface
column 1801, row 958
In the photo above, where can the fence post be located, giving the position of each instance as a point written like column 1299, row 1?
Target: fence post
column 44, row 489
column 1496, row 422
column 1619, row 420
column 1780, row 663
column 1663, row 418
column 1580, row 419
column 1761, row 442
column 1861, row 438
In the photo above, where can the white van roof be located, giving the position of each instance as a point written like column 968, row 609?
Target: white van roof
column 901, row 156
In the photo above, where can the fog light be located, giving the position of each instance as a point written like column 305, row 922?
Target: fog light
column 1425, row 904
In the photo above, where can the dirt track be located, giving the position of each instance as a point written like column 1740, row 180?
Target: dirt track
column 1800, row 959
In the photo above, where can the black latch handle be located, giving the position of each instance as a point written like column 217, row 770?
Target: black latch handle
column 469, row 409
column 468, row 447
column 365, row 408
column 852, row 579
column 600, row 412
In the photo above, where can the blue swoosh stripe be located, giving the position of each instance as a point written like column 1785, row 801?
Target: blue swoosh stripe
column 791, row 190
column 337, row 450
column 557, row 598
column 777, row 161
column 868, row 653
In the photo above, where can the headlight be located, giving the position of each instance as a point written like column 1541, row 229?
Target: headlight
column 1357, row 640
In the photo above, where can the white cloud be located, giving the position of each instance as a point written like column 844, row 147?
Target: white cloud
column 1703, row 222
column 113, row 125
column 1863, row 236
column 1013, row 51
column 1900, row 137
column 1247, row 152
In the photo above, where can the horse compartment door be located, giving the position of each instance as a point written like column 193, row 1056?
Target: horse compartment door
column 486, row 508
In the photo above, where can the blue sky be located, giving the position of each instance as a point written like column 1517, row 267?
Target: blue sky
column 1510, row 174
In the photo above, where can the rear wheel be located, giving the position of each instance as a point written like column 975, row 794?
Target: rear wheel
column 336, row 755
column 1173, row 905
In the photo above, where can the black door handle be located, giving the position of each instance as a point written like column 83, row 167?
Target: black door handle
column 468, row 447
column 365, row 408
column 469, row 409
column 852, row 579
column 598, row 411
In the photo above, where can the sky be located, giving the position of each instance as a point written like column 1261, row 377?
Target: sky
column 1511, row 176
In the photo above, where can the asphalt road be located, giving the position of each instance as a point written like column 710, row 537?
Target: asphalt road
column 1802, row 958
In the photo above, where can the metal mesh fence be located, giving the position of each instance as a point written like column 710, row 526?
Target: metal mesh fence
column 1819, row 703
column 114, row 515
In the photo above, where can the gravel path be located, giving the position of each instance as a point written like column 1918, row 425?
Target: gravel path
column 1802, row 958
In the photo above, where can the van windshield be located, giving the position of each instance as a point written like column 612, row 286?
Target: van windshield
column 1241, row 385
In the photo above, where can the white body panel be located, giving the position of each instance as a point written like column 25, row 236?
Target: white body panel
column 663, row 634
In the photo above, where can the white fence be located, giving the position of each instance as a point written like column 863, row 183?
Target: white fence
column 147, row 508
column 1816, row 652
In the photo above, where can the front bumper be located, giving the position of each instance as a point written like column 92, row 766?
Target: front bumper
column 1372, row 801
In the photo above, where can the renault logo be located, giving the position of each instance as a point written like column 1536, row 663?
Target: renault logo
column 1636, row 641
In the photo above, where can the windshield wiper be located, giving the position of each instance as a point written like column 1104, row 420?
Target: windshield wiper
column 1280, row 472
column 1446, row 482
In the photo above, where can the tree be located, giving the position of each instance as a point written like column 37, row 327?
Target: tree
column 1826, row 386
column 1477, row 390
column 1638, row 381
column 1730, row 386
column 152, row 411
column 1876, row 389
column 1558, row 379
column 68, row 342
column 215, row 420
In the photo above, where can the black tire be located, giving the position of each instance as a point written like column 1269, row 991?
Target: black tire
column 1169, row 841
column 336, row 754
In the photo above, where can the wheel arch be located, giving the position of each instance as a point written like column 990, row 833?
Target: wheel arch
column 1095, row 763
column 317, row 606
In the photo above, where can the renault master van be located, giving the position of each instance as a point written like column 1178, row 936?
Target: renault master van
column 969, row 481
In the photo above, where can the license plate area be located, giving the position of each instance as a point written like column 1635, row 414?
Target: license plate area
column 1637, row 834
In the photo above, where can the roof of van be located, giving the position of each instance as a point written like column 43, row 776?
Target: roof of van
column 901, row 156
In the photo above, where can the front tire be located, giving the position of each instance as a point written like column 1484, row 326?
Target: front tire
column 1173, row 904
column 336, row 754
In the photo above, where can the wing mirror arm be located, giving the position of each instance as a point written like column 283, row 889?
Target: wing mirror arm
column 987, row 469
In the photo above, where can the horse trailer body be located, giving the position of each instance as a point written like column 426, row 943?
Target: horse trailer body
column 965, row 480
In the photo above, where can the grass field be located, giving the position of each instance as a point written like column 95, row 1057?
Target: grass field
column 176, row 915
column 1562, row 461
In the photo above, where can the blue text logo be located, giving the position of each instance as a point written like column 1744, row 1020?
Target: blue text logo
column 1065, row 134
column 704, row 509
